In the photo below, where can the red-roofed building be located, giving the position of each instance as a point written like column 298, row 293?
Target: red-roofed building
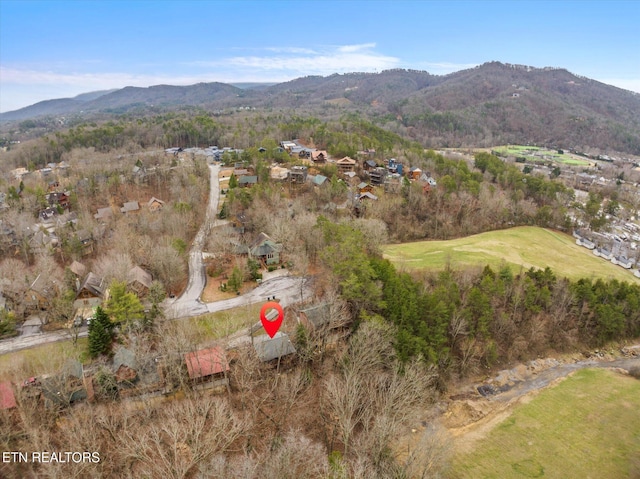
column 207, row 363
column 7, row 397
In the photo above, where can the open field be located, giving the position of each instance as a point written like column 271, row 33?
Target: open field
column 521, row 247
column 212, row 326
column 586, row 426
column 47, row 358
column 538, row 154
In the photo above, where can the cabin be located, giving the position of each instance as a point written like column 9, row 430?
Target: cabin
column 207, row 364
column 319, row 157
column 273, row 349
column 377, row 176
column 91, row 292
column 266, row 250
column 298, row 174
column 139, row 281
column 130, row 207
column 154, row 204
column 346, row 164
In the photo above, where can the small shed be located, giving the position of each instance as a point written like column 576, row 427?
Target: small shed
column 130, row 207
column 154, row 204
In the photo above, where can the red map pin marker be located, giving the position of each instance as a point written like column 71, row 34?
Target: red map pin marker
column 271, row 326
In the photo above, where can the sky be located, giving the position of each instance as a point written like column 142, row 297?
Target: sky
column 58, row 49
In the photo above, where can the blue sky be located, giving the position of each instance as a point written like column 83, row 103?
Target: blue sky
column 55, row 49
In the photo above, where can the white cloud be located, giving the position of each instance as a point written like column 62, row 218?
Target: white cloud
column 356, row 48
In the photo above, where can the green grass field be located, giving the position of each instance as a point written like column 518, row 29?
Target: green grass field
column 548, row 155
column 587, row 426
column 521, row 247
column 46, row 358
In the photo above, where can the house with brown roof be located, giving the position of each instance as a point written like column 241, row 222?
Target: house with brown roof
column 139, row 280
column 207, row 364
column 154, row 204
column 346, row 164
column 319, row 157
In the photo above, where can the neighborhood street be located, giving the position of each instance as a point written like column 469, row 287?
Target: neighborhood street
column 286, row 289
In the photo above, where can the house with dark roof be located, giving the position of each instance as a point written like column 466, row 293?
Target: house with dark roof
column 272, row 349
column 41, row 293
column 265, row 249
column 91, row 292
column 315, row 317
column 125, row 366
column 377, row 176
column 247, row 181
column 298, row 174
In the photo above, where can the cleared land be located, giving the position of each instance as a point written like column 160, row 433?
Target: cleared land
column 541, row 155
column 587, row 426
column 521, row 247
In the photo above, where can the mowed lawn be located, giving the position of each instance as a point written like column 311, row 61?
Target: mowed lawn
column 520, row 248
column 587, row 426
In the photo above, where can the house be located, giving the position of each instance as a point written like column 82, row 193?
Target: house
column 265, row 249
column 70, row 218
column 428, row 179
column 364, row 188
column 63, row 389
column 414, row 173
column 623, row 261
column 346, row 164
column 103, row 213
column 393, row 166
column 91, row 292
column 207, row 364
column 130, row 207
column 269, row 349
column 139, row 281
column 41, row 292
column 318, row 180
column 154, row 204
column 78, row 269
column 315, row 317
column 124, row 366
column 369, row 165
column 62, row 198
column 7, row 396
column 319, row 157
column 247, row 181
column 298, row 174
column 367, row 196
column 85, row 238
column 278, row 173
column 47, row 214
column 377, row 176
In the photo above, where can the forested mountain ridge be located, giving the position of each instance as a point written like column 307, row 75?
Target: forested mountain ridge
column 491, row 104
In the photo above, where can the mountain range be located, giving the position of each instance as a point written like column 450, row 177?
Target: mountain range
column 491, row 104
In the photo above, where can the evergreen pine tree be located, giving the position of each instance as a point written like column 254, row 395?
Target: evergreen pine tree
column 100, row 334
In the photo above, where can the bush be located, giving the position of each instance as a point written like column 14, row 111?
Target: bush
column 634, row 371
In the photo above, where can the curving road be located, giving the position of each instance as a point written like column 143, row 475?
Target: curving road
column 287, row 289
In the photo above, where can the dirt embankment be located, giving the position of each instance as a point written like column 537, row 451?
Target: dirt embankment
column 473, row 410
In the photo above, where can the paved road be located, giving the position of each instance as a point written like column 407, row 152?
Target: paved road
column 33, row 340
column 287, row 289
